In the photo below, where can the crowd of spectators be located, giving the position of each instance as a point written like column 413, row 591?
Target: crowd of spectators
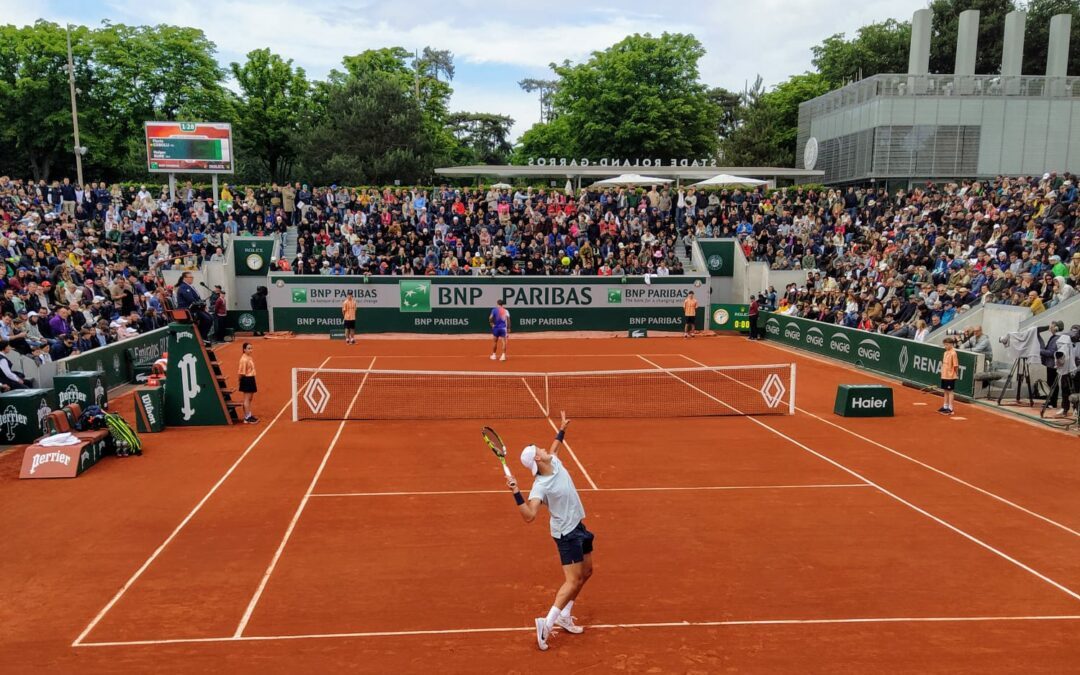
column 909, row 261
column 83, row 264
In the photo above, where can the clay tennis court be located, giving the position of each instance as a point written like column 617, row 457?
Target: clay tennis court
column 774, row 543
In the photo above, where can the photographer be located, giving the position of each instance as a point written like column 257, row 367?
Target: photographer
column 974, row 340
column 1046, row 356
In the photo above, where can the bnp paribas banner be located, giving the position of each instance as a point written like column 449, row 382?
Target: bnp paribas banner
column 908, row 360
column 312, row 304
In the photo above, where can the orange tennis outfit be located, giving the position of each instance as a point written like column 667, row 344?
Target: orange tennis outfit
column 950, row 365
column 348, row 309
column 689, row 306
column 247, row 366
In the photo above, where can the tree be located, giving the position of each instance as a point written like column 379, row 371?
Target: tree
column 876, row 48
column 546, row 89
column 945, row 27
column 727, row 102
column 272, row 105
column 769, row 122
column 372, row 132
column 1037, row 37
column 642, row 97
column 34, row 97
column 435, row 61
column 483, row 136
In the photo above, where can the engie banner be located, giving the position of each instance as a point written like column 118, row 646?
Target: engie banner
column 915, row 362
column 312, row 304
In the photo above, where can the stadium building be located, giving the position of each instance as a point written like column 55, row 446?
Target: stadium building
column 908, row 128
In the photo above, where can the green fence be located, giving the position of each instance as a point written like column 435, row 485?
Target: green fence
column 719, row 256
column 911, row 361
column 118, row 360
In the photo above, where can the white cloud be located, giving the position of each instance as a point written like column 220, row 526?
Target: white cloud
column 742, row 39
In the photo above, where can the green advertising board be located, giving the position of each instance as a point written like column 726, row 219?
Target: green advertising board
column 192, row 397
column 312, row 304
column 248, row 320
column 251, row 255
column 719, row 256
column 730, row 317
column 118, row 360
column 915, row 362
column 863, row 400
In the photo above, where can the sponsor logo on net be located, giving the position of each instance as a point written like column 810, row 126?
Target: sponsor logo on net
column 316, row 395
column 840, row 343
column 49, row 457
column 870, row 350
column 815, row 337
column 773, row 390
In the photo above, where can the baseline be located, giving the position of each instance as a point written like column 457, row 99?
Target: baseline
column 600, row 626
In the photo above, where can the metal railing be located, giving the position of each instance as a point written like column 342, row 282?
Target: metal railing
column 903, row 85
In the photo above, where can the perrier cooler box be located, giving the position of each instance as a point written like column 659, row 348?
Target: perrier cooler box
column 23, row 413
column 84, row 387
column 149, row 410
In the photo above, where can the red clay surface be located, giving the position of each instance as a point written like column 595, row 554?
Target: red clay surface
column 785, row 544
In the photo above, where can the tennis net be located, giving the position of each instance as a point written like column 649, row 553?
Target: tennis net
column 332, row 394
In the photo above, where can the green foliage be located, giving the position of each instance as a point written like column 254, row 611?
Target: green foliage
column 270, row 110
column 769, row 121
column 372, row 132
column 1037, row 34
column 483, row 138
column 642, row 97
column 944, row 27
column 876, row 48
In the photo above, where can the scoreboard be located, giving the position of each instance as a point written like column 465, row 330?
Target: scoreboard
column 189, row 147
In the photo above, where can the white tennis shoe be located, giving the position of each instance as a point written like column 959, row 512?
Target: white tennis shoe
column 503, row 357
column 542, row 634
column 492, row 357
column 567, row 624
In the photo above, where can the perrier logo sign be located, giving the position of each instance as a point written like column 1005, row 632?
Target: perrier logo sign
column 415, row 296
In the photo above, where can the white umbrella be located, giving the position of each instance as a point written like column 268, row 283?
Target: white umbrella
column 502, row 186
column 632, row 179
column 727, row 179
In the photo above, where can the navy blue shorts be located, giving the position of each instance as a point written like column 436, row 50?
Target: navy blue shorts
column 498, row 332
column 574, row 545
column 948, row 385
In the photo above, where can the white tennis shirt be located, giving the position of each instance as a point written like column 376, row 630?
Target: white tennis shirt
column 561, row 497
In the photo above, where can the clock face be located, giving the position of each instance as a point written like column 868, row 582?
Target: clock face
column 254, row 261
column 810, row 152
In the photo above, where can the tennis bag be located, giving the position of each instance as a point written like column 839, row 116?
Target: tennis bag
column 127, row 441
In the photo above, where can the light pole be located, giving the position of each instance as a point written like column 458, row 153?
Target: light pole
column 79, row 150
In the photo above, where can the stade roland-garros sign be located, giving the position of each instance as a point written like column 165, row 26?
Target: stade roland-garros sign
column 908, row 360
column 312, row 304
column 708, row 162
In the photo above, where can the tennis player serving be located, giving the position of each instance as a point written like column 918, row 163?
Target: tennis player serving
column 554, row 487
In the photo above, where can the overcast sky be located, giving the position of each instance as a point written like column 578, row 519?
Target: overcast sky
column 496, row 43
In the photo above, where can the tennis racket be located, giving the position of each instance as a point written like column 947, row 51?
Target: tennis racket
column 497, row 446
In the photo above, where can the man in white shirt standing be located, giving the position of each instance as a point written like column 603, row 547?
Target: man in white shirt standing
column 554, row 487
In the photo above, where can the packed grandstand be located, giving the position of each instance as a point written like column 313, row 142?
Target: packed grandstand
column 84, row 264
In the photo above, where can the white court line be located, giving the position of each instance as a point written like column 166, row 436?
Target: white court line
column 598, row 626
column 483, row 357
column 809, row 486
column 893, row 495
column 153, row 556
column 299, row 509
column 951, row 477
column 565, row 444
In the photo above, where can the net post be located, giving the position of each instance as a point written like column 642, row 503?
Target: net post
column 791, row 402
column 295, row 416
column 547, row 396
